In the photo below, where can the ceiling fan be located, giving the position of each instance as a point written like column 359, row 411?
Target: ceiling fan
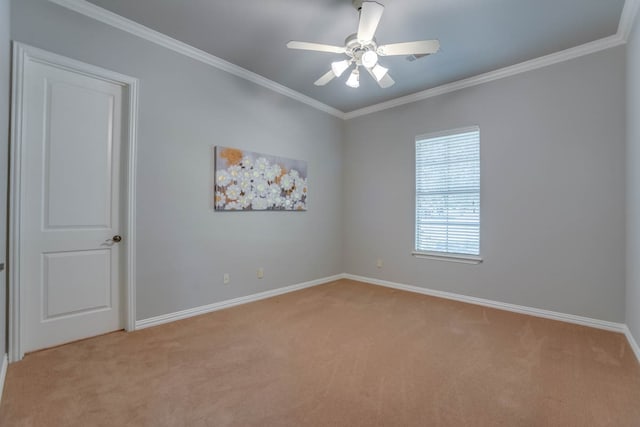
column 362, row 49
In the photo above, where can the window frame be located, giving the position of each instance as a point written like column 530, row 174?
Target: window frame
column 446, row 256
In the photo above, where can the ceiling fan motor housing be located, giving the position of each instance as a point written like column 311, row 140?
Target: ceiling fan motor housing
column 355, row 49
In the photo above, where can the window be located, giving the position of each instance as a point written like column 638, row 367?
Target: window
column 448, row 195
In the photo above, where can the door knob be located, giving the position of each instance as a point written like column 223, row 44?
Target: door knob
column 116, row 238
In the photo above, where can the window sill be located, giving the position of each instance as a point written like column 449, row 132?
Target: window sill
column 442, row 256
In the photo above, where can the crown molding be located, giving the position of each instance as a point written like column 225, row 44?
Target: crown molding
column 512, row 70
column 99, row 14
column 628, row 18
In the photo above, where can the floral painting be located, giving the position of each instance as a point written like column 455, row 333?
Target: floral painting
column 248, row 181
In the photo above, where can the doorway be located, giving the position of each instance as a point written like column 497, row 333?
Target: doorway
column 72, row 201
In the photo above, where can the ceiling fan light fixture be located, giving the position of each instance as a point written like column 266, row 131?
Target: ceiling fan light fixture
column 362, row 49
column 369, row 59
column 354, row 79
column 379, row 71
column 339, row 67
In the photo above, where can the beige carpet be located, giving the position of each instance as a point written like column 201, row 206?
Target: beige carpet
column 341, row 354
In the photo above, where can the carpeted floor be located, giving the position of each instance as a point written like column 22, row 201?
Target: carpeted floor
column 341, row 354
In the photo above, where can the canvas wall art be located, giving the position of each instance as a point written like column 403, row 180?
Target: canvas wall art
column 248, row 181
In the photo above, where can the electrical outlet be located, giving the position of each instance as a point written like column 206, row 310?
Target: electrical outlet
column 226, row 278
column 379, row 263
column 260, row 273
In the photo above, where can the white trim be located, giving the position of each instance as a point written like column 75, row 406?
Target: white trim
column 3, row 373
column 130, row 243
column 628, row 18
column 531, row 311
column 15, row 158
column 99, row 14
column 443, row 256
column 196, row 311
column 632, row 342
column 21, row 54
column 448, row 132
column 433, row 255
column 523, row 67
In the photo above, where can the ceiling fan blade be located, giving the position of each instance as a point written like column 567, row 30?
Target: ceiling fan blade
column 370, row 15
column 330, row 75
column 385, row 82
column 318, row 47
column 409, row 48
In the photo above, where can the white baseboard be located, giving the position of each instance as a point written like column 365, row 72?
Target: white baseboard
column 178, row 315
column 632, row 342
column 3, row 372
column 537, row 312
column 554, row 315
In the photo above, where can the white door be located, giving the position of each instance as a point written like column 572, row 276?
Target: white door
column 70, row 206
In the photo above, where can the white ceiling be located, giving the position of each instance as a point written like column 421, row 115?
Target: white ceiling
column 476, row 36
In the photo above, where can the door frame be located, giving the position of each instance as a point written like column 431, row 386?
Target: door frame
column 23, row 53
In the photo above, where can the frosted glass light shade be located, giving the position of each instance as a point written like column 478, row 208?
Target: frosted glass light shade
column 369, row 59
column 354, row 79
column 379, row 71
column 339, row 67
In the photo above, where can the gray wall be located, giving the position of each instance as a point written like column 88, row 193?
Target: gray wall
column 185, row 108
column 5, row 73
column 633, row 182
column 552, row 179
column 553, row 199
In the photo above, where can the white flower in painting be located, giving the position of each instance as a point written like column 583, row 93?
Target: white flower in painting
column 301, row 187
column 245, row 200
column 294, row 174
column 287, row 203
column 301, row 184
column 223, row 178
column 273, row 195
column 220, row 199
column 244, row 181
column 300, row 206
column 275, row 190
column 232, row 206
column 247, row 162
column 259, row 204
column 272, row 173
column 245, row 174
column 261, row 187
column 233, row 192
column 244, row 184
column 287, row 182
column 278, row 201
column 261, row 164
column 295, row 194
column 234, row 171
column 272, row 200
column 256, row 174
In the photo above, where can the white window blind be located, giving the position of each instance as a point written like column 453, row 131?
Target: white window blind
column 448, row 192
